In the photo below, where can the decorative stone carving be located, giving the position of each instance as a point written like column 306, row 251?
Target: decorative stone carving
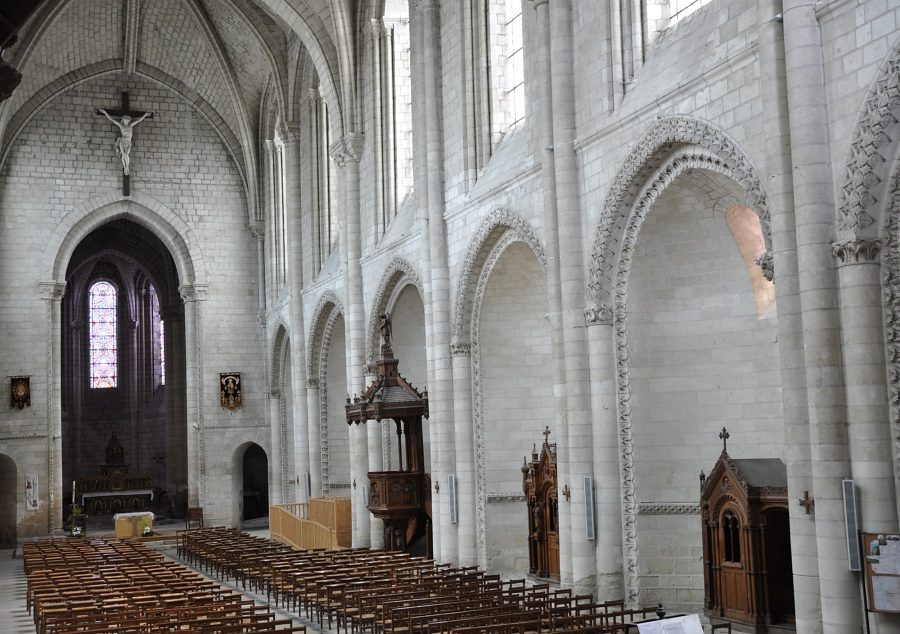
column 668, row 508
column 891, row 297
column 498, row 498
column 346, row 149
column 51, row 290
column 398, row 274
column 681, row 143
column 766, row 262
column 328, row 302
column 460, row 349
column 289, row 131
column 872, row 145
column 497, row 224
column 856, row 251
column 312, row 384
column 598, row 316
column 194, row 292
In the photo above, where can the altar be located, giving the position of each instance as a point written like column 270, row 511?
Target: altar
column 115, row 490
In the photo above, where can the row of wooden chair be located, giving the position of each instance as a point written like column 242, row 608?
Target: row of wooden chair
column 107, row 585
column 364, row 590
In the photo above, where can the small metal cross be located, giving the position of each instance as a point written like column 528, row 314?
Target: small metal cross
column 807, row 502
column 724, row 435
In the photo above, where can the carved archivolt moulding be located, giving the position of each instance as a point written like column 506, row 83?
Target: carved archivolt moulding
column 396, row 276
column 691, row 140
column 327, row 303
column 871, row 147
column 890, row 269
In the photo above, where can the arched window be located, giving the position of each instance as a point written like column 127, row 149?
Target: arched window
column 507, row 57
column 103, row 339
column 731, row 533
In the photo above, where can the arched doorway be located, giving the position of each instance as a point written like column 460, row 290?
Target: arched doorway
column 8, row 492
column 254, row 485
column 123, row 380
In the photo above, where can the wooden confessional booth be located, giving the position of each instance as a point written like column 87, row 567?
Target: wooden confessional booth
column 746, row 543
column 401, row 497
column 539, row 485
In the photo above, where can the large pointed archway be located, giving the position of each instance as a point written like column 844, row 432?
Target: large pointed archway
column 122, row 354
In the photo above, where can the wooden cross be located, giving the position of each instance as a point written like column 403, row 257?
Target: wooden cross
column 134, row 114
column 807, row 502
column 724, row 435
column 546, row 434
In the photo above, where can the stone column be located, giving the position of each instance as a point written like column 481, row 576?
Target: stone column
column 290, row 136
column 53, row 293
column 544, row 115
column 193, row 295
column 176, row 425
column 276, row 455
column 441, row 390
column 465, row 453
column 269, row 201
column 314, row 430
column 420, row 175
column 577, row 462
column 779, row 189
column 607, row 478
column 814, row 220
column 347, row 153
column 862, row 333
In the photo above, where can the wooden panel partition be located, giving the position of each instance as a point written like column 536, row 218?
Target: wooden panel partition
column 323, row 523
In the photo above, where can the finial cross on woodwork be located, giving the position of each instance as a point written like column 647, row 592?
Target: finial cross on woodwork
column 807, row 502
column 724, row 436
column 546, row 434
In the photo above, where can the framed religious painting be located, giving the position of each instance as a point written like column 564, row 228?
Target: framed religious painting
column 20, row 391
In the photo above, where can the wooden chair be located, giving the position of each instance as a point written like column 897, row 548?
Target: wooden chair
column 193, row 516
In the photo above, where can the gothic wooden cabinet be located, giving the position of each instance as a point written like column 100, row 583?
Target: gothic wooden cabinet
column 746, row 543
column 539, row 484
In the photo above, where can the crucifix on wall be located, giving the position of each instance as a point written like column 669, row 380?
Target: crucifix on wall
column 125, row 120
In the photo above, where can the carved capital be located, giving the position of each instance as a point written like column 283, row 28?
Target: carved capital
column 598, row 315
column 312, row 384
column 856, row 251
column 194, row 292
column 460, row 349
column 348, row 148
column 766, row 262
column 52, row 291
column 289, row 131
column 369, row 370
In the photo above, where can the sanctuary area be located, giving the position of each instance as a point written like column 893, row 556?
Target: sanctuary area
column 602, row 294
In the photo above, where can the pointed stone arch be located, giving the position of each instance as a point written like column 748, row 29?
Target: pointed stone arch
column 398, row 275
column 500, row 224
column 671, row 147
column 873, row 146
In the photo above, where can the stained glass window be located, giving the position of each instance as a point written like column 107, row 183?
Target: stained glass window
column 162, row 352
column 102, row 315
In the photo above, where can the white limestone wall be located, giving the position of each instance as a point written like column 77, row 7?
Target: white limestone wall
column 64, row 160
column 517, row 397
column 338, row 430
column 699, row 359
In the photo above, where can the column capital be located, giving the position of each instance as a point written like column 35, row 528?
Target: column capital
column 766, row 262
column 348, row 148
column 598, row 315
column 257, row 228
column 312, row 384
column 856, row 252
column 289, row 131
column 194, row 292
column 52, row 291
column 538, row 3
column 460, row 348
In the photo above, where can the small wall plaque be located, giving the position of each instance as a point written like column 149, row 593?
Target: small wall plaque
column 20, row 392
column 230, row 390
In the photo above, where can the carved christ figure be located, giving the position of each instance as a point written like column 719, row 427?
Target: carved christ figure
column 126, row 128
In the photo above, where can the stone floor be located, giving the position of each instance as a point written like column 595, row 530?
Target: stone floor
column 13, row 617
